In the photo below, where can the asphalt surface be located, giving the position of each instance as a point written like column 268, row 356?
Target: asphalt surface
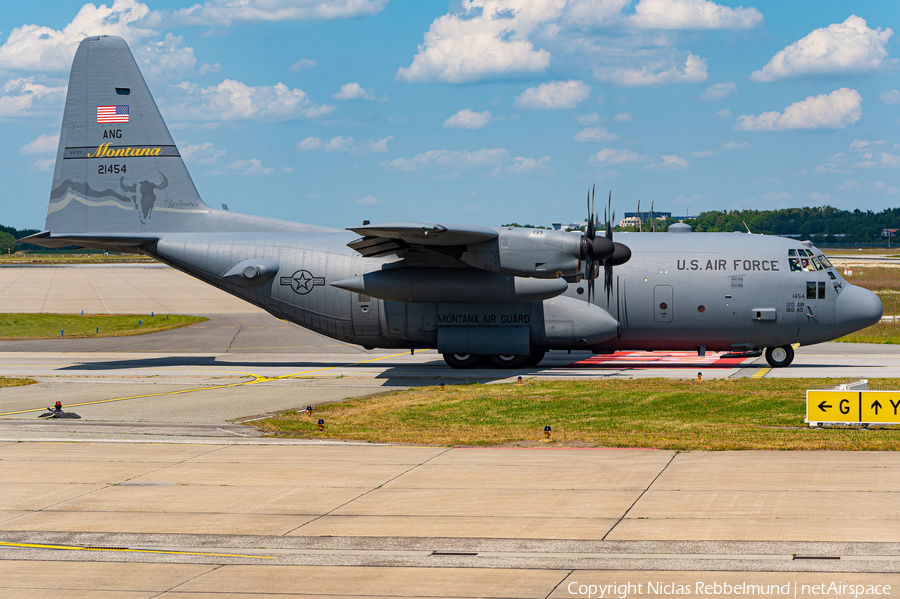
column 156, row 491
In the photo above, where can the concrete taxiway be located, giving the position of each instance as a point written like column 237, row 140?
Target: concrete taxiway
column 155, row 493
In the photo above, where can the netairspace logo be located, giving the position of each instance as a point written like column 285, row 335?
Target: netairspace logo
column 720, row 589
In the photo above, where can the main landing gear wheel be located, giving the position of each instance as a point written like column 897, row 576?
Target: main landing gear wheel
column 535, row 358
column 779, row 357
column 463, row 360
column 509, row 361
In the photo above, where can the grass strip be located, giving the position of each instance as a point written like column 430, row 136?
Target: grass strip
column 74, row 326
column 711, row 415
column 13, row 382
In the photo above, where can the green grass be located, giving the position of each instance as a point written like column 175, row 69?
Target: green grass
column 645, row 413
column 71, row 257
column 48, row 326
column 11, row 382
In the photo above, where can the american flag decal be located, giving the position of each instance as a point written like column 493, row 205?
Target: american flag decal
column 112, row 114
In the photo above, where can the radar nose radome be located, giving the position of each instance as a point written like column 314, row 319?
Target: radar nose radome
column 856, row 308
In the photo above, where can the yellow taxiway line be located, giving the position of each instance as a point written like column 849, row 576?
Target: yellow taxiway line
column 127, row 550
column 760, row 373
column 256, row 379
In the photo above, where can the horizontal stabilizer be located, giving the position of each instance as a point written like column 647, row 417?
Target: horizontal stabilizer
column 107, row 242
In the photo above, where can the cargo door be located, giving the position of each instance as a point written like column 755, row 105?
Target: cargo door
column 663, row 310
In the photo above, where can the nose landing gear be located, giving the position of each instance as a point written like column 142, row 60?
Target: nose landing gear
column 779, row 357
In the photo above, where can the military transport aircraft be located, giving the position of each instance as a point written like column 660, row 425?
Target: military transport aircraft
column 500, row 294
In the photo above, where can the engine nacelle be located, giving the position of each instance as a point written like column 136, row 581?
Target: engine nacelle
column 524, row 252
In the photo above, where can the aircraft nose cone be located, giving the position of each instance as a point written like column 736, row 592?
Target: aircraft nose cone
column 856, row 309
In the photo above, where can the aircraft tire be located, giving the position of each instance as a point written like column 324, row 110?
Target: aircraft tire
column 463, row 360
column 509, row 361
column 779, row 357
column 535, row 358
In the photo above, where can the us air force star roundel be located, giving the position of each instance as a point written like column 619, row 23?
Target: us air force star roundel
column 302, row 281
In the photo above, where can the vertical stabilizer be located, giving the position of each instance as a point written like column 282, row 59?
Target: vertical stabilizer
column 117, row 167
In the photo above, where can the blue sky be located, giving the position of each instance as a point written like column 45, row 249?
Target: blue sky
column 482, row 111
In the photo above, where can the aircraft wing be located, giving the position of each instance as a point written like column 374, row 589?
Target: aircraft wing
column 390, row 238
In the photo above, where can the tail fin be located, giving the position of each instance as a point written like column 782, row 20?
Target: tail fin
column 117, row 168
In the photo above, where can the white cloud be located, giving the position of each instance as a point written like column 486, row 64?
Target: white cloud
column 694, row 71
column 593, row 12
column 310, row 143
column 850, row 184
column 243, row 167
column 203, row 153
column 693, row 14
column 837, row 110
column 468, row 119
column 22, row 97
column 210, row 68
column 879, row 186
column 554, row 95
column 683, row 199
column 367, row 201
column 233, row 100
column 848, row 47
column 614, row 156
column 623, row 117
column 448, row 159
column 485, row 39
column 589, row 119
column 890, row 97
column 671, row 162
column 595, row 134
column 225, row 12
column 166, row 58
column 735, row 145
column 821, row 198
column 703, row 154
column 834, row 165
column 719, row 91
column 37, row 48
column 344, row 144
column 44, row 144
column 722, row 114
column 354, row 91
column 303, row 63
column 857, row 144
column 530, row 166
column 44, row 165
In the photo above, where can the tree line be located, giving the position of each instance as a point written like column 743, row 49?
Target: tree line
column 824, row 224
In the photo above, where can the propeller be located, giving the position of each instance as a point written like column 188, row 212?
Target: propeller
column 620, row 254
column 593, row 249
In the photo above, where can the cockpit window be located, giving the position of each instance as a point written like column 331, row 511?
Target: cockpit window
column 817, row 264
column 825, row 262
column 807, row 265
column 792, row 252
column 795, row 264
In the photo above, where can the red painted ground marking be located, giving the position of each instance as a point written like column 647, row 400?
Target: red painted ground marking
column 646, row 360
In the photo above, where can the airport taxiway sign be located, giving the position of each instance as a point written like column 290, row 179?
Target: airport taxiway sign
column 832, row 406
column 871, row 407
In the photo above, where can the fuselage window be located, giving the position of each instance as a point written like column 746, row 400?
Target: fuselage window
column 795, row 264
column 810, row 290
column 831, row 274
column 821, row 289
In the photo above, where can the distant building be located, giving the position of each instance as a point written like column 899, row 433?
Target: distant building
column 644, row 215
column 631, row 221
